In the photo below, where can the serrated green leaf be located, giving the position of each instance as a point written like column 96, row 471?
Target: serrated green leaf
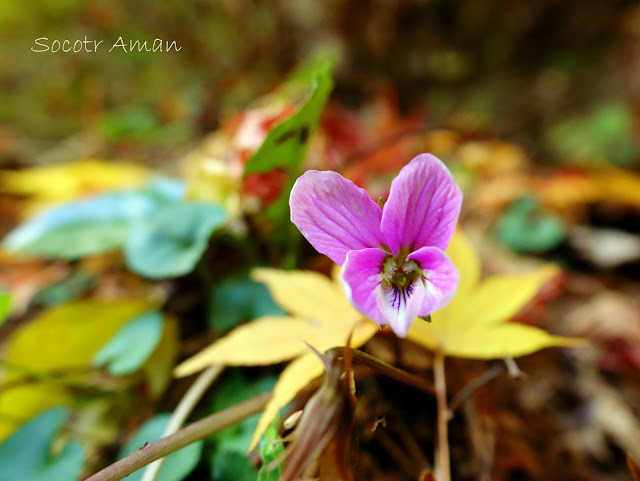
column 177, row 465
column 27, row 454
column 128, row 350
column 170, row 242
column 286, row 143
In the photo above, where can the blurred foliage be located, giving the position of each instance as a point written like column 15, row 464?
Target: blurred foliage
column 114, row 271
column 27, row 453
column 228, row 461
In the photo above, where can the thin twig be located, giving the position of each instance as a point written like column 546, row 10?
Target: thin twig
column 185, row 436
column 182, row 411
column 388, row 370
column 442, row 467
column 474, row 384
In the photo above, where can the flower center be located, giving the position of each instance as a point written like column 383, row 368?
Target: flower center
column 398, row 278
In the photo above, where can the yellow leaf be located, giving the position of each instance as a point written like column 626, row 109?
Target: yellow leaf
column 474, row 324
column 507, row 340
column 308, row 294
column 501, row 297
column 268, row 340
column 51, row 185
column 64, row 337
column 292, row 380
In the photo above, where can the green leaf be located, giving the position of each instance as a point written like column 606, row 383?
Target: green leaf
column 128, row 350
column 238, row 298
column 89, row 226
column 229, row 460
column 71, row 287
column 27, row 454
column 271, row 448
column 605, row 133
column 526, row 228
column 177, row 465
column 286, row 143
column 170, row 242
column 5, row 306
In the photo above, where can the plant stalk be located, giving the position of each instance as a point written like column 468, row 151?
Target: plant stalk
column 185, row 436
column 182, row 411
column 442, row 463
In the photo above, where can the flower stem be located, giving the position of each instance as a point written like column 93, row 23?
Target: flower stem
column 442, row 463
column 388, row 370
column 190, row 434
column 182, row 411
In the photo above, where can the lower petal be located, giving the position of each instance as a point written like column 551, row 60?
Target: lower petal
column 381, row 302
column 440, row 278
column 400, row 307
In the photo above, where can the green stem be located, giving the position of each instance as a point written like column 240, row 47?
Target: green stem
column 190, row 434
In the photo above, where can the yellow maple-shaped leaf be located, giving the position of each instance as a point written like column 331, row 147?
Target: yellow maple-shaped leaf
column 61, row 339
column 55, row 184
column 320, row 315
column 475, row 323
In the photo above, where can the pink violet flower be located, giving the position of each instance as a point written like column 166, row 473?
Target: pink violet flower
column 394, row 265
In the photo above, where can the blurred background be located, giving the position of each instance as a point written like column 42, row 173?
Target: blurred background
column 534, row 106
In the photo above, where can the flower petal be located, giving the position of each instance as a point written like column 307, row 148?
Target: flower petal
column 335, row 215
column 441, row 278
column 423, row 206
column 400, row 314
column 361, row 281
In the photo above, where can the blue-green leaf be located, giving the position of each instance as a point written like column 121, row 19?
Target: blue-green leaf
column 170, row 242
column 128, row 350
column 177, row 465
column 526, row 228
column 238, row 298
column 27, row 454
column 90, row 226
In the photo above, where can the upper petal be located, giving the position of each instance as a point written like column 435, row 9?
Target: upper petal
column 423, row 206
column 335, row 215
column 441, row 278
